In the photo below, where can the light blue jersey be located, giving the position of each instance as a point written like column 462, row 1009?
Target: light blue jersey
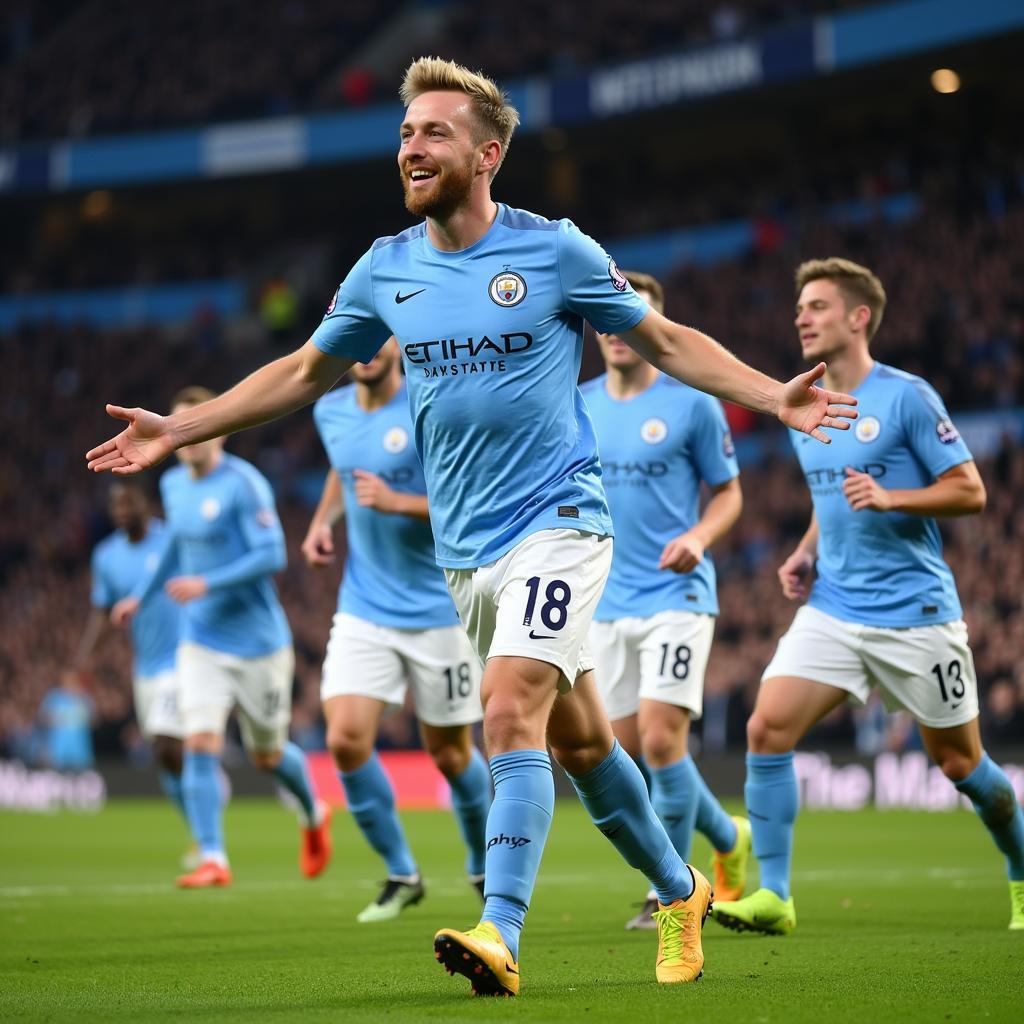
column 118, row 567
column 883, row 568
column 391, row 576
column 67, row 718
column 491, row 339
column 656, row 448
column 224, row 527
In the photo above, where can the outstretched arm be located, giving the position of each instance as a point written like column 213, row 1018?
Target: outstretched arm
column 279, row 387
column 696, row 359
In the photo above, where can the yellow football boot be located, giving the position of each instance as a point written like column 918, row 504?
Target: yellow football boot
column 680, row 956
column 1017, row 906
column 762, row 911
column 482, row 956
column 731, row 868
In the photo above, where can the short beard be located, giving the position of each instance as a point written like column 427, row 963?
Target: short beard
column 452, row 192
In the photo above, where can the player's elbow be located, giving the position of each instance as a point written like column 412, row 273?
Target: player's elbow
column 977, row 498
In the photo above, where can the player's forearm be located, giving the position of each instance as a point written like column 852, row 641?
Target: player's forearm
column 950, row 496
column 809, row 541
column 331, row 506
column 413, row 505
column 720, row 513
column 700, row 361
column 94, row 629
column 261, row 561
column 280, row 387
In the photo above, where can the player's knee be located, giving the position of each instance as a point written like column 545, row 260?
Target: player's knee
column 580, row 758
column 349, row 749
column 507, row 728
column 265, row 760
column 766, row 735
column 662, row 746
column 451, row 760
column 955, row 764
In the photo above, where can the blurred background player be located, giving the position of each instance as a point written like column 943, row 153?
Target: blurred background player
column 65, row 721
column 883, row 610
column 120, row 564
column 659, row 441
column 225, row 545
column 395, row 625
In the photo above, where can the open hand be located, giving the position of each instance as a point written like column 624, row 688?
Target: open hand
column 147, row 440
column 804, row 407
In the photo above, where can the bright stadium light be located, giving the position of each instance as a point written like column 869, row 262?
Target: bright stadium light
column 945, row 80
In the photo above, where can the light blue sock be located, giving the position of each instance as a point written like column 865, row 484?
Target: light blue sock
column 674, row 799
column 772, row 803
column 372, row 803
column 200, row 786
column 292, row 772
column 517, row 829
column 713, row 821
column 988, row 788
column 471, row 799
column 616, row 798
column 171, row 786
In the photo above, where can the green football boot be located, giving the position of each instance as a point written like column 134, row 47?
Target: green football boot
column 393, row 899
column 1017, row 906
column 762, row 911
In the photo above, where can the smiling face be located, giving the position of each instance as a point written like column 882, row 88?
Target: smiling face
column 441, row 158
column 827, row 323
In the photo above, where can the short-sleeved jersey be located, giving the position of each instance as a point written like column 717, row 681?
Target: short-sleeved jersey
column 391, row 576
column 69, row 731
column 216, row 520
column 491, row 339
column 118, row 566
column 883, row 568
column 656, row 449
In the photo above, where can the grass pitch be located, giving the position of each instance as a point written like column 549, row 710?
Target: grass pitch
column 901, row 916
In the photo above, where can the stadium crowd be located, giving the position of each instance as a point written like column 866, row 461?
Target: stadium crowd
column 126, row 66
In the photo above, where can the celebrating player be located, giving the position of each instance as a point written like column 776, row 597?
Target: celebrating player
column 120, row 563
column 395, row 622
column 652, row 631
column 225, row 545
column 488, row 305
column 883, row 610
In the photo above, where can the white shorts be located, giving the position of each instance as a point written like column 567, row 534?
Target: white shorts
column 214, row 682
column 157, row 705
column 929, row 670
column 537, row 600
column 367, row 660
column 662, row 657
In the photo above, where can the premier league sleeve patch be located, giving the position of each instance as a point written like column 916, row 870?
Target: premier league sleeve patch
column 619, row 282
column 948, row 434
column 333, row 302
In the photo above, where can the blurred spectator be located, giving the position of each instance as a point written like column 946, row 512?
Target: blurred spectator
column 65, row 720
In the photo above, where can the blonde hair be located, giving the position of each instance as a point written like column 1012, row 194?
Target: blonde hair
column 496, row 117
column 195, row 394
column 647, row 283
column 860, row 287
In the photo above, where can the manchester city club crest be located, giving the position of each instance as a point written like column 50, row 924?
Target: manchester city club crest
column 654, row 430
column 867, row 429
column 396, row 440
column 507, row 288
column 209, row 509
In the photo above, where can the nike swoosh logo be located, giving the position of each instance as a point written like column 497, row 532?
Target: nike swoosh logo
column 953, row 707
column 760, row 817
column 537, row 636
column 510, row 968
column 400, row 298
